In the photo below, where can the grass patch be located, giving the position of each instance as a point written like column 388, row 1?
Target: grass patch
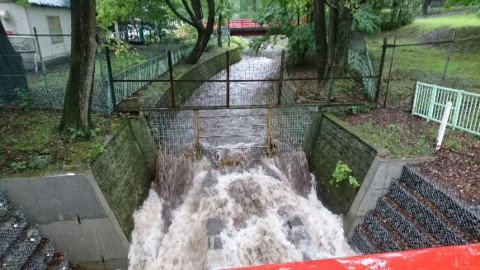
column 426, row 63
column 405, row 135
column 28, row 137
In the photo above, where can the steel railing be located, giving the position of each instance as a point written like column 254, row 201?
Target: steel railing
column 430, row 101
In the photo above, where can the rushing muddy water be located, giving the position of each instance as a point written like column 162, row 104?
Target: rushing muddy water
column 233, row 207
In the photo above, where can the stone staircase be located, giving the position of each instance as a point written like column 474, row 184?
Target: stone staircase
column 415, row 214
column 22, row 245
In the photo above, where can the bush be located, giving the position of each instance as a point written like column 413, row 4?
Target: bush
column 239, row 41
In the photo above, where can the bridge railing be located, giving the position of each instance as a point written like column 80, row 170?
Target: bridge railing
column 430, row 101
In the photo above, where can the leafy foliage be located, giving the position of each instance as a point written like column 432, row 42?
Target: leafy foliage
column 300, row 42
column 343, row 173
column 395, row 13
column 239, row 41
column 365, row 20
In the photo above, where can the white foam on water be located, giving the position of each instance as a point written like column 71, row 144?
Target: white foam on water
column 256, row 208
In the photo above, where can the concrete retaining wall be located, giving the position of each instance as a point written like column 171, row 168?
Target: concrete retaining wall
column 333, row 141
column 125, row 170
column 376, row 183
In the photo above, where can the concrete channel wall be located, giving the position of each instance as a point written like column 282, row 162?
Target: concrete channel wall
column 89, row 214
column 375, row 184
column 333, row 141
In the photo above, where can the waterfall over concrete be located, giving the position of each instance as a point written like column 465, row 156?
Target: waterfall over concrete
column 233, row 207
column 235, row 213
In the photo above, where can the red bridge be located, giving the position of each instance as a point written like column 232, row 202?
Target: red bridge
column 246, row 27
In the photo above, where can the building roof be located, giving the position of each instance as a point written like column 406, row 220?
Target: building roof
column 51, row 3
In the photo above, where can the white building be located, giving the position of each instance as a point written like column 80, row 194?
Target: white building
column 48, row 17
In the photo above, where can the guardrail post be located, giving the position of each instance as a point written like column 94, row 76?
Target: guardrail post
column 456, row 109
column 170, row 71
column 433, row 98
column 228, row 79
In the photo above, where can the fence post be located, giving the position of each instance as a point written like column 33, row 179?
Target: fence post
column 110, row 76
column 389, row 73
column 39, row 50
column 450, row 51
column 456, row 109
column 280, row 80
column 433, row 98
column 382, row 60
column 197, row 130
column 415, row 98
column 170, row 71
column 269, row 129
column 228, row 78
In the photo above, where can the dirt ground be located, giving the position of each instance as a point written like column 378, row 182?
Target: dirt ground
column 456, row 170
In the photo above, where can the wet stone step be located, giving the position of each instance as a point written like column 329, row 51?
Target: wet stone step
column 424, row 215
column 361, row 241
column 406, row 228
column 382, row 236
column 453, row 210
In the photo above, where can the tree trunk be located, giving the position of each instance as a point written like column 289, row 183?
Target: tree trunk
column 339, row 39
column 13, row 82
column 200, row 45
column 425, row 5
column 320, row 37
column 203, row 33
column 79, row 91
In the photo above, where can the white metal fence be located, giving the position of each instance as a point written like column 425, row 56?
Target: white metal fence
column 430, row 101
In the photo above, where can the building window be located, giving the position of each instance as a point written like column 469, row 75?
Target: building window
column 55, row 28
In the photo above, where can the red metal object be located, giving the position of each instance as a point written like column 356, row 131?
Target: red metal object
column 442, row 258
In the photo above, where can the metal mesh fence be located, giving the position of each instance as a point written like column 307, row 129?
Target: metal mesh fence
column 450, row 62
column 290, row 126
column 141, row 73
column 35, row 69
column 178, row 131
column 172, row 130
column 360, row 60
